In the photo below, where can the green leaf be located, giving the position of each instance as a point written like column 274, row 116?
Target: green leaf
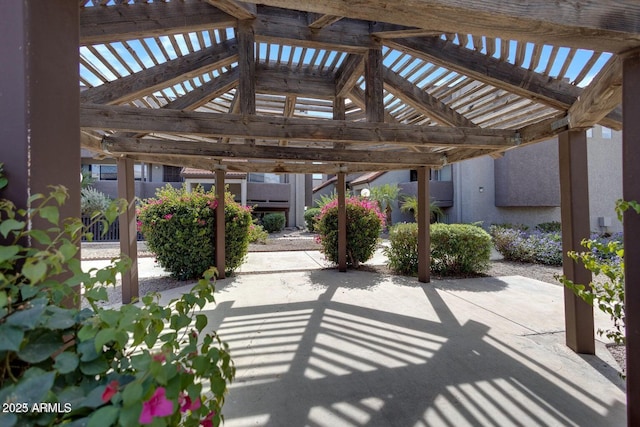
column 29, row 317
column 3, row 299
column 9, row 225
column 103, row 417
column 59, row 318
column 129, row 415
column 94, row 398
column 8, row 419
column 103, row 337
column 94, row 367
column 201, row 322
column 34, row 270
column 12, row 336
column 87, row 351
column 51, row 214
column 40, row 345
column 34, row 386
column 132, row 393
column 40, row 236
column 8, row 252
column 3, row 182
column 66, row 362
column 68, row 250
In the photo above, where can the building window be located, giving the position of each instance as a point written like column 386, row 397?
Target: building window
column 171, row 173
column 590, row 133
column 267, row 178
column 606, row 133
column 108, row 172
column 442, row 174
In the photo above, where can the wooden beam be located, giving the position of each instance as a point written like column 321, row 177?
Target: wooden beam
column 220, row 238
column 119, row 146
column 339, row 114
column 341, row 185
column 163, row 75
column 282, row 80
column 574, row 194
column 107, row 24
column 602, row 27
column 146, row 120
column 374, row 93
column 247, row 69
column 356, row 95
column 503, row 75
column 318, row 22
column 291, row 27
column 424, row 232
column 385, row 30
column 128, row 229
column 289, row 109
column 598, row 99
column 348, row 74
column 206, row 92
column 422, row 101
column 235, row 9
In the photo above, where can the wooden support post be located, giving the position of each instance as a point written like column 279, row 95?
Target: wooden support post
column 631, row 191
column 374, row 93
column 574, row 195
column 339, row 113
column 247, row 67
column 220, row 225
column 424, row 217
column 128, row 229
column 39, row 141
column 342, row 222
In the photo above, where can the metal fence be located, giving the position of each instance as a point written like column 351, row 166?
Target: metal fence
column 112, row 234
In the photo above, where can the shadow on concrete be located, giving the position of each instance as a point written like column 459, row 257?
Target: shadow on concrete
column 326, row 362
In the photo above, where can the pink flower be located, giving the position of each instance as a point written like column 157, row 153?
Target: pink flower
column 212, row 204
column 139, row 225
column 159, row 357
column 186, row 404
column 110, row 390
column 202, row 222
column 207, row 420
column 168, row 216
column 157, row 406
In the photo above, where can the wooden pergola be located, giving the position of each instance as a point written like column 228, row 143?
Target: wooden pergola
column 328, row 86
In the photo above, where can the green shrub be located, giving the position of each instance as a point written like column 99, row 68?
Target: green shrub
column 100, row 366
column 257, row 234
column 311, row 218
column 550, row 227
column 273, row 222
column 459, row 249
column 364, row 223
column 402, row 253
column 92, row 201
column 179, row 228
column 535, row 247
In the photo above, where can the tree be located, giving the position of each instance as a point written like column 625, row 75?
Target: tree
column 410, row 204
column 385, row 195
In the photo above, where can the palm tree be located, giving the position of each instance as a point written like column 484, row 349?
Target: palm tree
column 410, row 204
column 385, row 195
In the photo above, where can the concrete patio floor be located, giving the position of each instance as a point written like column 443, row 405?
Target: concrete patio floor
column 314, row 347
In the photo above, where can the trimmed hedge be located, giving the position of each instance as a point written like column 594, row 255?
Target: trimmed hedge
column 179, row 228
column 311, row 218
column 364, row 223
column 273, row 222
column 402, row 254
column 455, row 249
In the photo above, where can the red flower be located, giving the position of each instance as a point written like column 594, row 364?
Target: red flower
column 110, row 390
column 186, row 404
column 157, row 406
column 207, row 420
column 159, row 357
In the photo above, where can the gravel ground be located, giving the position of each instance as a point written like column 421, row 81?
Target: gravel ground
column 296, row 240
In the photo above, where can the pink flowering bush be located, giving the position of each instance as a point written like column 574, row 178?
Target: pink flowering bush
column 136, row 364
column 364, row 223
column 179, row 228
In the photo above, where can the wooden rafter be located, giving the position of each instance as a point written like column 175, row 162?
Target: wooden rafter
column 282, row 80
column 134, row 21
column 234, row 8
column 422, row 101
column 348, row 74
column 501, row 74
column 162, row 75
column 563, row 23
column 318, row 22
column 144, row 120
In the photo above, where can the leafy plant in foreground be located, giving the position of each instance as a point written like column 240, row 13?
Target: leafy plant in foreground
column 145, row 363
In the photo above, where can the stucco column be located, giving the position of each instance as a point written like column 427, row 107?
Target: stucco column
column 574, row 203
